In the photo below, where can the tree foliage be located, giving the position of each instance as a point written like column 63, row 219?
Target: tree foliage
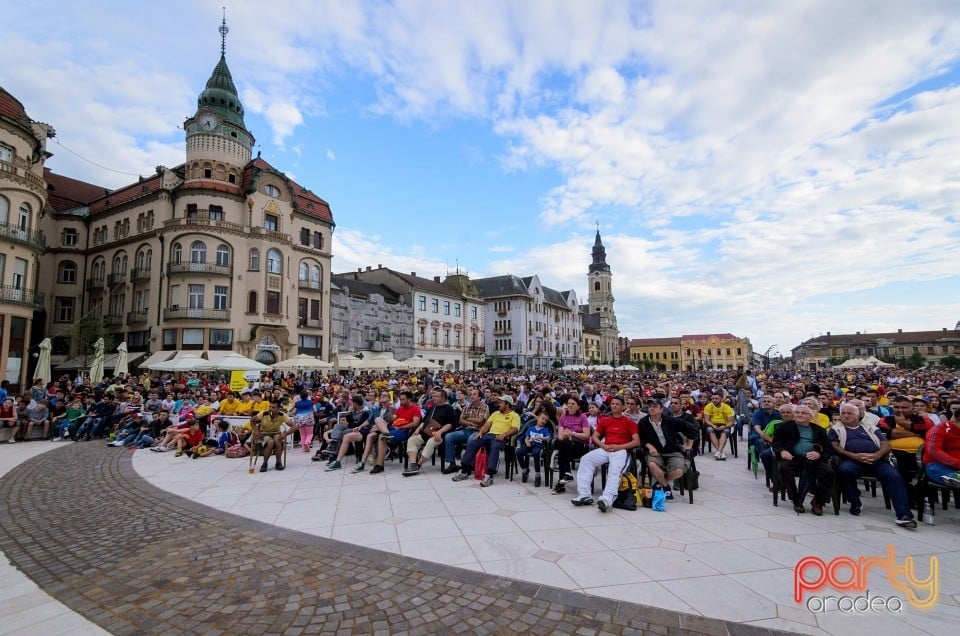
column 84, row 335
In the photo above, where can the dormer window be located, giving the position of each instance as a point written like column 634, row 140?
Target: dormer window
column 271, row 190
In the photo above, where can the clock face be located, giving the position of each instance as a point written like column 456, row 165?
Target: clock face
column 207, row 122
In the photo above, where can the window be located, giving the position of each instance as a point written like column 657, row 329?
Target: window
column 192, row 210
column 232, row 177
column 271, row 190
column 195, row 294
column 304, row 236
column 270, row 222
column 64, row 311
column 221, row 337
column 254, row 260
column 192, row 337
column 176, row 256
column 6, row 153
column 422, row 303
column 140, row 298
column 169, row 338
column 68, row 273
column 456, row 309
column 446, row 308
column 314, row 309
column 318, row 240
column 198, row 252
column 310, row 344
column 304, row 273
column 315, row 275
column 302, row 305
column 434, row 305
column 207, row 173
column 220, row 297
column 223, row 256
column 216, row 213
column 69, row 237
column 274, row 264
column 473, row 313
column 252, row 302
column 273, row 303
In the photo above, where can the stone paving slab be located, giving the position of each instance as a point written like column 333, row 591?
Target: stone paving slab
column 134, row 559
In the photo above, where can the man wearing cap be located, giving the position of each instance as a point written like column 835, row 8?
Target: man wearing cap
column 614, row 435
column 666, row 441
column 494, row 435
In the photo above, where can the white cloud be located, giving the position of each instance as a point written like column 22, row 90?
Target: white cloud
column 331, row 155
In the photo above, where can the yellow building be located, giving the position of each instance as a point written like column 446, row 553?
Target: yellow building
column 715, row 351
column 662, row 352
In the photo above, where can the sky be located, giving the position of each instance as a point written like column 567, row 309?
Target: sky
column 773, row 170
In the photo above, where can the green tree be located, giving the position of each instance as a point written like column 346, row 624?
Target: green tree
column 837, row 361
column 915, row 361
column 557, row 364
column 952, row 362
column 84, row 335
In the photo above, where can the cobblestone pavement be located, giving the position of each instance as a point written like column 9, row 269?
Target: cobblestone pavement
column 134, row 559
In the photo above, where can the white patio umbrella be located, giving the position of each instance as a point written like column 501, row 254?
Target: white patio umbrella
column 302, row 362
column 418, row 362
column 232, row 362
column 186, row 362
column 121, row 364
column 627, row 367
column 43, row 363
column 96, row 369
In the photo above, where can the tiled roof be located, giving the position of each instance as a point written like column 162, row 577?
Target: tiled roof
column 591, row 322
column 357, row 286
column 64, row 193
column 553, row 297
column 655, row 342
column 307, row 202
column 707, row 336
column 126, row 194
column 497, row 286
column 897, row 337
column 10, row 106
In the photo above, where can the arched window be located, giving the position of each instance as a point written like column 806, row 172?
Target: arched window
column 596, row 286
column 148, row 261
column 176, row 256
column 252, row 302
column 198, row 252
column 24, row 221
column 274, row 262
column 223, row 256
column 98, row 270
column 254, row 260
column 141, row 259
column 304, row 271
column 117, row 263
column 123, row 264
column 67, row 273
column 315, row 274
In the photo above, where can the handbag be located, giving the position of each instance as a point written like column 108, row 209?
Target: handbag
column 627, row 494
column 480, row 464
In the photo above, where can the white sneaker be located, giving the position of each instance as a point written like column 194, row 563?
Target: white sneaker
column 723, row 457
column 717, row 455
column 11, row 441
column 58, row 439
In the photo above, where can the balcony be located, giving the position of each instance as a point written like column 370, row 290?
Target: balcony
column 94, row 284
column 18, row 170
column 178, row 313
column 198, row 268
column 310, row 323
column 23, row 236
column 204, row 220
column 476, row 350
column 112, row 320
column 139, row 273
column 24, row 297
column 117, row 278
column 501, row 332
column 314, row 285
column 136, row 317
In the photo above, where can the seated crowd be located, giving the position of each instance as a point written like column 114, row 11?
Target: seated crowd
column 816, row 435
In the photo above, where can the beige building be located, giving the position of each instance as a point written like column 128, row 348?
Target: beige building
column 662, row 353
column 23, row 197
column 221, row 253
column 715, row 351
column 901, row 345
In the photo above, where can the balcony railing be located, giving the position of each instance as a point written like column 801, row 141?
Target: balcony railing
column 95, row 284
column 25, row 297
column 205, row 221
column 501, row 332
column 310, row 284
column 112, row 320
column 15, row 233
column 198, row 268
column 181, row 313
column 476, row 349
column 21, row 168
column 136, row 317
column 310, row 323
column 116, row 278
column 139, row 273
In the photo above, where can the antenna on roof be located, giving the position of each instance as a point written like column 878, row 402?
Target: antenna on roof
column 224, row 29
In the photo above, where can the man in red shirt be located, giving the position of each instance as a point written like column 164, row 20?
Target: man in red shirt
column 614, row 436
column 406, row 421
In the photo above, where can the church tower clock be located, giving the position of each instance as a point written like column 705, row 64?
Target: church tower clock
column 600, row 300
column 218, row 142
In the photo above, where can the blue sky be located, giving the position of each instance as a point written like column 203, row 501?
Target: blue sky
column 772, row 171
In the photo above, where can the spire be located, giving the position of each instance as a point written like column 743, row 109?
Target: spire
column 224, row 29
column 599, row 255
column 220, row 94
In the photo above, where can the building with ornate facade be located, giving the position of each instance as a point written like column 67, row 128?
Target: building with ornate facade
column 815, row 353
column 448, row 316
column 369, row 317
column 599, row 314
column 662, row 353
column 222, row 253
column 715, row 351
column 23, row 198
column 530, row 325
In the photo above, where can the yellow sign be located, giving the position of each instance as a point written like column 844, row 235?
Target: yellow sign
column 236, row 381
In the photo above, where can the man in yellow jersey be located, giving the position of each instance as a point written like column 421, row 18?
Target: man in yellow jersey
column 719, row 418
column 229, row 405
column 494, row 435
column 274, row 426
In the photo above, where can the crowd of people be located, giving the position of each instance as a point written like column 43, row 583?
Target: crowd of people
column 809, row 431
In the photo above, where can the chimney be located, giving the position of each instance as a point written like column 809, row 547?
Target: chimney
column 899, row 330
column 413, row 273
column 359, row 269
column 436, row 279
column 368, row 268
column 858, row 333
column 828, row 333
column 379, row 266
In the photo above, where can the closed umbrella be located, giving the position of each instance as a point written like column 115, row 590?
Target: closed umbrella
column 96, row 369
column 121, row 365
column 43, row 364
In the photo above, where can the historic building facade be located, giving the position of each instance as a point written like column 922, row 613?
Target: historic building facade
column 662, row 353
column 23, row 197
column 897, row 346
column 369, row 317
column 715, row 351
column 530, row 325
column 221, row 253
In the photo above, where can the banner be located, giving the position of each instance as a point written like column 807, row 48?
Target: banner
column 237, row 382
